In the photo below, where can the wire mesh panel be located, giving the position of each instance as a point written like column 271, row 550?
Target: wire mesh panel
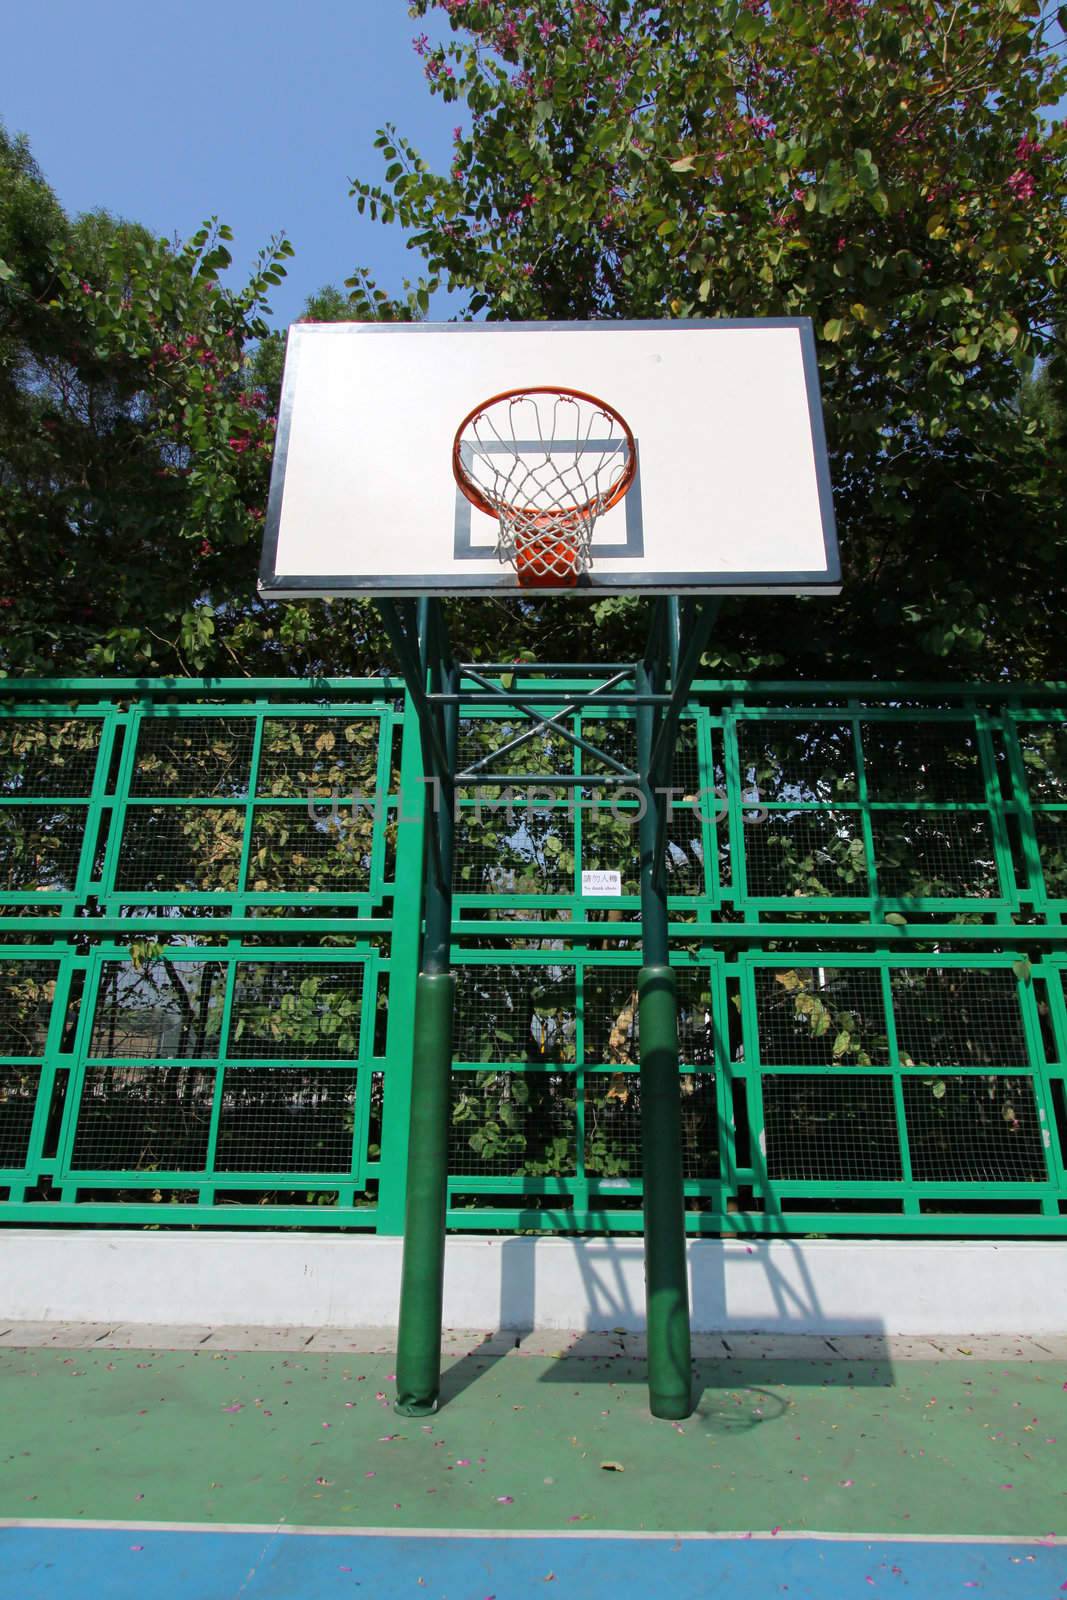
column 610, row 843
column 912, row 759
column 820, row 1016
column 143, row 1119
column 797, row 760
column 934, row 854
column 974, row 1129
column 193, row 757
column 164, row 1010
column 180, row 850
column 958, row 1017
column 616, row 737
column 613, row 1125
column 513, row 1124
column 19, row 1084
column 41, row 849
column 294, row 853
column 790, row 854
column 515, row 1013
column 320, row 754
column 48, row 755
column 1050, row 831
column 509, row 846
column 684, row 853
column 308, row 1010
column 609, row 1004
column 286, row 1119
column 1044, row 753
column 545, row 751
column 27, row 990
column 830, row 1128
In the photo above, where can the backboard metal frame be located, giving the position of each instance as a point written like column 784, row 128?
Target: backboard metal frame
column 275, row 584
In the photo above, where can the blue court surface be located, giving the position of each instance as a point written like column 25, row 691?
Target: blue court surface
column 46, row 1562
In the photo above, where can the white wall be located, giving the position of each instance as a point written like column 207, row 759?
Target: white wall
column 307, row 1280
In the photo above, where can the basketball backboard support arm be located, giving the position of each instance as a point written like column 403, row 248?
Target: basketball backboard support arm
column 660, row 686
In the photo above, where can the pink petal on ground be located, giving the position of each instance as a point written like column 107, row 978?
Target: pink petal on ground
column 505, row 1499
column 370, row 1474
column 225, row 1408
column 349, row 1404
column 137, row 1547
column 462, row 1462
column 775, row 1530
column 379, row 1395
column 846, row 1483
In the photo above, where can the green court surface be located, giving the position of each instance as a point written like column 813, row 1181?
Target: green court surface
column 951, row 1448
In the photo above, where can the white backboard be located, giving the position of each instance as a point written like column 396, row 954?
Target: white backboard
column 732, row 493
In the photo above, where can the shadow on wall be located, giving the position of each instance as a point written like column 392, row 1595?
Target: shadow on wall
column 733, row 1385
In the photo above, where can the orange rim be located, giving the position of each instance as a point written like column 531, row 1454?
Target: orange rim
column 475, row 495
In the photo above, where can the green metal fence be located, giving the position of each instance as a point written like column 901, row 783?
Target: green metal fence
column 209, row 900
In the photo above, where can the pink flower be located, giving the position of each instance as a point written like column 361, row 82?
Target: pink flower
column 1022, row 185
column 1027, row 148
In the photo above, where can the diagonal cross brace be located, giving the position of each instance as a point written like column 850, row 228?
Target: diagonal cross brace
column 553, row 724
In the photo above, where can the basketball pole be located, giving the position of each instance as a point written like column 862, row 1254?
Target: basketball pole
column 421, row 645
column 662, row 680
column 676, row 641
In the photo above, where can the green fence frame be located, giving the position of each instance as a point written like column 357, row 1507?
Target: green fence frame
column 822, row 807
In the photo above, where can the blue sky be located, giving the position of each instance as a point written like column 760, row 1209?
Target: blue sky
column 170, row 113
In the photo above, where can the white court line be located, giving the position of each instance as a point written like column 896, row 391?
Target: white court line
column 310, row 1531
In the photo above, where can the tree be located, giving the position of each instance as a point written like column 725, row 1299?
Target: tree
column 884, row 169
column 133, row 451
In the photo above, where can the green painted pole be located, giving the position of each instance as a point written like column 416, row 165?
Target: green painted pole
column 418, row 1360
column 666, row 1277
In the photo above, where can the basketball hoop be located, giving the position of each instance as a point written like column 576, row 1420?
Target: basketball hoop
column 546, row 463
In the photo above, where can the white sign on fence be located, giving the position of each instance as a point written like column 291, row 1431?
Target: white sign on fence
column 602, row 882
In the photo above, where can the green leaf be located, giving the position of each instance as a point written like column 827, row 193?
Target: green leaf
column 1022, row 969
column 897, row 919
column 832, row 329
column 683, row 164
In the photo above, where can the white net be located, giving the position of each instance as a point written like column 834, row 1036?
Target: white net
column 547, row 465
